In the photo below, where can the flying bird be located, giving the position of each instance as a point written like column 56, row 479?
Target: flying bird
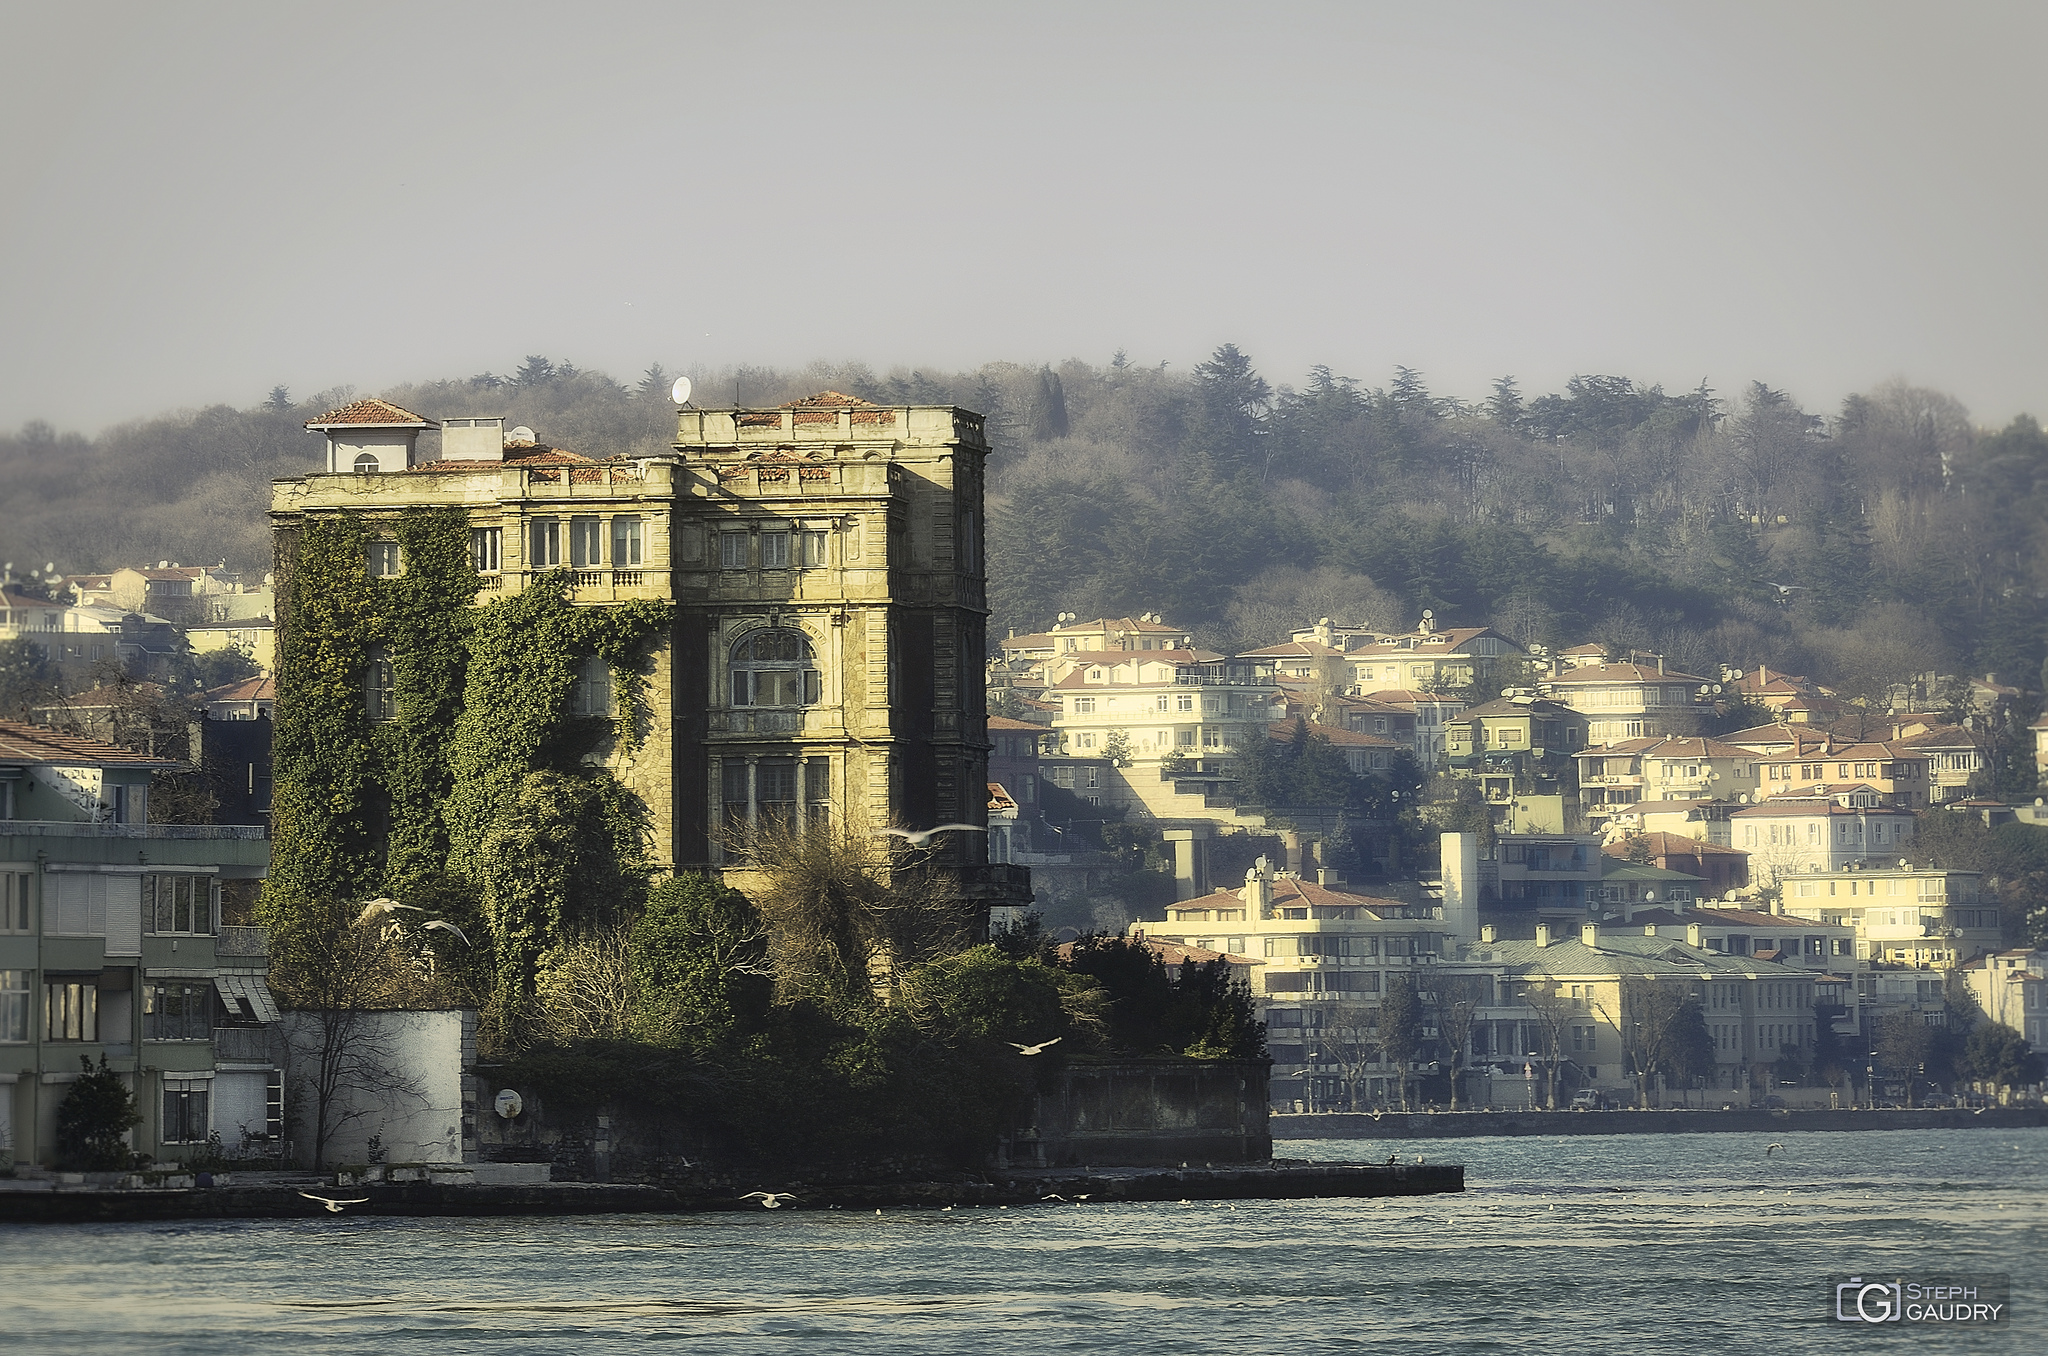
column 444, row 926
column 772, row 1200
column 1040, row 1048
column 1052, row 1196
column 1787, row 590
column 334, row 1203
column 377, row 908
column 919, row 839
column 1771, row 1149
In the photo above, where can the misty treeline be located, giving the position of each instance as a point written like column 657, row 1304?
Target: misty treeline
column 1609, row 511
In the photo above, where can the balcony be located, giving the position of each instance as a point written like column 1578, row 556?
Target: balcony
column 237, row 941
column 757, row 722
column 53, row 828
column 242, row 1044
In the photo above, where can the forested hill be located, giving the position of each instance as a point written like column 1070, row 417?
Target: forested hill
column 1606, row 511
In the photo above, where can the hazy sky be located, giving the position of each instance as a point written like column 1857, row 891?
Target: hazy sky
column 204, row 200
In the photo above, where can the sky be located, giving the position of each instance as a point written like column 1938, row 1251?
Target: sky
column 207, row 200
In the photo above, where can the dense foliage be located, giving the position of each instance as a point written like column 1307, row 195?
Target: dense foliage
column 94, row 1119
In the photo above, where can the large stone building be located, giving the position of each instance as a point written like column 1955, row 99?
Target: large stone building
column 825, row 563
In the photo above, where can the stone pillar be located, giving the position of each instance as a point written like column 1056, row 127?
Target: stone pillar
column 753, row 792
column 803, row 787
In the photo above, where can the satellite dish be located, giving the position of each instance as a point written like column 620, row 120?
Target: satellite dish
column 680, row 392
column 522, row 434
column 1428, row 615
column 509, row 1104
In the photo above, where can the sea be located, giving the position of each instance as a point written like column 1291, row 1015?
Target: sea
column 1703, row 1244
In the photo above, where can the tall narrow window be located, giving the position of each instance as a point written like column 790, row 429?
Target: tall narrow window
column 774, row 668
column 487, row 549
column 626, row 552
column 178, row 904
column 586, row 543
column 774, row 550
column 593, row 695
column 811, row 550
column 732, row 551
column 380, row 687
column 71, row 1010
column 14, row 1006
column 186, row 1119
column 14, row 911
column 383, row 558
column 544, row 551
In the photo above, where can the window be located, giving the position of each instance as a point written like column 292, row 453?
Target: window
column 774, row 550
column 545, row 552
column 774, row 668
column 14, row 912
column 487, row 549
column 380, row 687
column 185, row 1111
column 626, row 549
column 1184, row 702
column 382, row 558
column 586, row 543
column 1159, row 703
column 810, row 549
column 732, row 551
column 177, row 1010
column 1185, row 739
column 178, row 904
column 593, row 692
column 367, row 462
column 71, row 1010
column 1084, row 706
column 13, row 1006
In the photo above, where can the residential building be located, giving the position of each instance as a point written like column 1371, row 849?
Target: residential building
column 180, row 594
column 1790, row 697
column 1795, row 760
column 1423, row 718
column 1706, row 820
column 1612, row 776
column 112, row 944
column 1632, row 701
column 84, row 641
column 1429, row 657
column 1529, row 879
column 253, row 636
column 1811, row 835
column 1625, row 885
column 1924, row 918
column 2012, row 989
column 825, row 562
column 2039, row 729
column 250, row 699
column 1719, row 869
column 1954, row 756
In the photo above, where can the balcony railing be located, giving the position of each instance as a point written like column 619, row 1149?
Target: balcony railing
column 58, row 828
column 239, row 941
column 246, row 1044
column 757, row 722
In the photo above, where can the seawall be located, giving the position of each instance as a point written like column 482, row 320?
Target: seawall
column 1465, row 1124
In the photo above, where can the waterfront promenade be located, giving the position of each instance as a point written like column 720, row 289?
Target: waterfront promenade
column 1467, row 1124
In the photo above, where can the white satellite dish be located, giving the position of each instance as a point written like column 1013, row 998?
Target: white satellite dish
column 509, row 1104
column 522, row 434
column 680, row 392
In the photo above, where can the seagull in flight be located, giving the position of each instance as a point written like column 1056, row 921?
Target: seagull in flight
column 1771, row 1149
column 1039, row 1048
column 334, row 1203
column 922, row 837
column 772, row 1200
column 1787, row 590
column 377, row 908
column 445, row 926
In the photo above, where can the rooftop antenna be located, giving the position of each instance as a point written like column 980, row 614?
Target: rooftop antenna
column 680, row 392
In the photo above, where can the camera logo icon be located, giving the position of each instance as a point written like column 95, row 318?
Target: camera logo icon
column 1858, row 1301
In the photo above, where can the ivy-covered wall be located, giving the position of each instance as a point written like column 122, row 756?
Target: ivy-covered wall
column 479, row 781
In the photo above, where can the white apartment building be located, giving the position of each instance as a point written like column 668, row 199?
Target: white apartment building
column 1925, row 919
column 2012, row 988
column 1632, row 701
column 1804, row 836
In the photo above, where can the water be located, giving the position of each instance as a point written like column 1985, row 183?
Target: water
column 1710, row 1246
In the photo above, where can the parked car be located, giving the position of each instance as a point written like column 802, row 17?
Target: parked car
column 1590, row 1099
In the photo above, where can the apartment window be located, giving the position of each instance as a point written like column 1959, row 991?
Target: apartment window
column 1379, row 725
column 1212, row 738
column 1085, row 740
column 178, row 904
column 774, row 550
column 1094, row 778
column 586, row 543
column 177, row 1010
column 380, row 687
column 593, row 692
column 487, row 549
column 1185, row 739
column 545, row 549
column 383, row 558
column 14, row 1006
column 366, row 462
column 1184, row 702
column 14, row 911
column 774, row 668
column 626, row 543
column 71, row 1009
column 1084, row 706
column 185, row 1111
column 810, row 549
column 732, row 551
column 1159, row 703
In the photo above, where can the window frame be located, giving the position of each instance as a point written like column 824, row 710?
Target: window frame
column 201, row 904
column 85, row 1010
column 383, row 558
column 734, row 551
column 544, row 543
column 593, row 676
column 189, row 1018
column 744, row 672
column 775, row 550
column 17, row 914
column 380, row 687
column 183, row 1126
column 487, row 549
column 629, row 542
column 586, row 542
column 17, row 991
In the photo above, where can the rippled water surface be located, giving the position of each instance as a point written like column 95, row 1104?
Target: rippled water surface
column 1699, row 1243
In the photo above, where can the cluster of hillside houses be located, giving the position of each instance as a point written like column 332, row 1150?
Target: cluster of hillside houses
column 826, row 566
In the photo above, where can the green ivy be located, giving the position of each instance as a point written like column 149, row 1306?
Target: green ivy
column 480, row 776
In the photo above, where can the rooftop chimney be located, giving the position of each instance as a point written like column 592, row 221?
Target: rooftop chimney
column 1694, row 936
column 1489, row 934
column 1589, row 934
column 1543, row 934
column 473, row 439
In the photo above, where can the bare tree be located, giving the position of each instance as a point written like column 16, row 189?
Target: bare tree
column 584, row 987
column 1554, row 1011
column 1648, row 1018
column 1458, row 998
column 1349, row 1039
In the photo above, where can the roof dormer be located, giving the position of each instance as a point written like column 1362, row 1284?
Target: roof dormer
column 368, row 437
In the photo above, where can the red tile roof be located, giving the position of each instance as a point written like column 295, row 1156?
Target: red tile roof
column 1281, row 731
column 24, row 743
column 1007, row 723
column 1622, row 673
column 1663, row 844
column 372, row 412
column 261, row 688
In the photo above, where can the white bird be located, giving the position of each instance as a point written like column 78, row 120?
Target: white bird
column 1052, row 1196
column 1786, row 590
column 1039, row 1048
column 1771, row 1149
column 919, row 839
column 771, row 1200
column 334, row 1203
column 446, row 926
column 377, row 908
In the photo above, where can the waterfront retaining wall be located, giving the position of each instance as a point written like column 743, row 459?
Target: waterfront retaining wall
column 1465, row 1124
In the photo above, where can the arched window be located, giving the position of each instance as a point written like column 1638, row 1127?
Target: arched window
column 380, row 687
column 367, row 462
column 774, row 668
